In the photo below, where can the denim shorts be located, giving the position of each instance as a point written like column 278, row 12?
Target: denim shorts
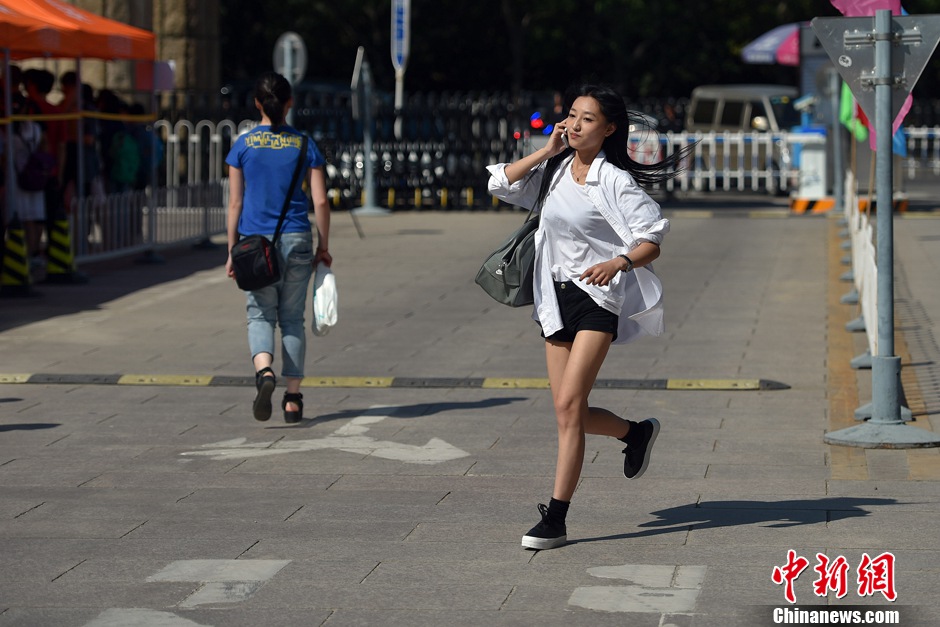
column 579, row 312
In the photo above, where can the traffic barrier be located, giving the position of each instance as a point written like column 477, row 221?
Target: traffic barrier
column 60, row 267
column 15, row 279
column 812, row 206
column 900, row 205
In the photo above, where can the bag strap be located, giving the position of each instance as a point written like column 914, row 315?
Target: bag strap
column 290, row 190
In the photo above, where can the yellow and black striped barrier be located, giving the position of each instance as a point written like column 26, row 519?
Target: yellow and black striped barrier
column 60, row 264
column 15, row 279
column 899, row 205
column 812, row 206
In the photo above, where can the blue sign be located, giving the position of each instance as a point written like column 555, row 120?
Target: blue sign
column 401, row 33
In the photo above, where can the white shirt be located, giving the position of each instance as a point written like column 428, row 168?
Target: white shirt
column 577, row 237
column 628, row 211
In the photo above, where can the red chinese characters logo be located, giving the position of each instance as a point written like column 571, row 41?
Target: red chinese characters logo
column 877, row 575
column 831, row 576
column 788, row 573
column 873, row 575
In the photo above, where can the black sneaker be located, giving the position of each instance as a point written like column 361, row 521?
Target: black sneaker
column 637, row 458
column 546, row 535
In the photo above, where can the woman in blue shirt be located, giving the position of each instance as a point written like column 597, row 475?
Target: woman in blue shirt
column 261, row 165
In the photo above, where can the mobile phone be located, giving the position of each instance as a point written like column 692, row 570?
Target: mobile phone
column 564, row 138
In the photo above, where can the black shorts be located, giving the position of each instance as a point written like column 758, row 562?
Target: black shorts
column 579, row 312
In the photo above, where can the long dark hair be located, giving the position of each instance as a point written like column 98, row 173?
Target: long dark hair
column 273, row 91
column 616, row 145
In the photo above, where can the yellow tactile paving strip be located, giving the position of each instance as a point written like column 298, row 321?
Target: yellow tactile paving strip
column 847, row 462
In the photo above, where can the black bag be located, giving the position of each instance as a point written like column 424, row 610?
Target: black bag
column 254, row 258
column 507, row 274
column 39, row 169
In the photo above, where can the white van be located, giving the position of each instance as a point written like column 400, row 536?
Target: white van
column 744, row 108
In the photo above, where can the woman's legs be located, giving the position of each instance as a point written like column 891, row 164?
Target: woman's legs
column 282, row 304
column 262, row 360
column 298, row 252
column 572, row 371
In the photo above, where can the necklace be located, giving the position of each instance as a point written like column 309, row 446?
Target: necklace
column 579, row 176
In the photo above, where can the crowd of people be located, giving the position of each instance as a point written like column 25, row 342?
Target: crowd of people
column 51, row 128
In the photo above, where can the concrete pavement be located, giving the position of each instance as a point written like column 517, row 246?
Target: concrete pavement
column 136, row 489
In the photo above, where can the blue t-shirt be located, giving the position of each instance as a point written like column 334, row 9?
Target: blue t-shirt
column 267, row 160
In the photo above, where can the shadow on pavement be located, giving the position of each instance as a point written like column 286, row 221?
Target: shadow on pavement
column 29, row 426
column 108, row 281
column 414, row 411
column 770, row 514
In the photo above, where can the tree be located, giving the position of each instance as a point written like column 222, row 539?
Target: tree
column 648, row 49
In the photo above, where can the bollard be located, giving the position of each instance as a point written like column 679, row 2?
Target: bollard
column 61, row 264
column 15, row 279
column 444, row 198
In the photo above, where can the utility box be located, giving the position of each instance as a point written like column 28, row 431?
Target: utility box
column 812, row 163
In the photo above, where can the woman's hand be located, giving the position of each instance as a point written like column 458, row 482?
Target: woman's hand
column 602, row 273
column 516, row 170
column 324, row 256
column 230, row 267
column 556, row 144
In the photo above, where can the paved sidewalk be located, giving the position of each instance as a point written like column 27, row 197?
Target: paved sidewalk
column 136, row 489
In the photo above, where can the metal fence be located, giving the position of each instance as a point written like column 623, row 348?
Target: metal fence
column 188, row 200
column 923, row 151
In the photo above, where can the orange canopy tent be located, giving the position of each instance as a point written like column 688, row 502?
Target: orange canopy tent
column 52, row 28
column 89, row 36
column 26, row 36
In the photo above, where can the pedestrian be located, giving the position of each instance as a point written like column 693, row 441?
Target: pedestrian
column 598, row 233
column 29, row 205
column 38, row 84
column 261, row 165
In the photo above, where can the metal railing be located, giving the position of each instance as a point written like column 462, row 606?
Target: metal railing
column 188, row 200
column 923, row 151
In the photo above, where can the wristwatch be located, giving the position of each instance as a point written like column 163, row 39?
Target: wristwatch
column 629, row 263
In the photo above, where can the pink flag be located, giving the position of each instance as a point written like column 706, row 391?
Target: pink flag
column 873, row 140
column 863, row 8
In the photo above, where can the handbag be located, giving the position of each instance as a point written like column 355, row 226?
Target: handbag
column 325, row 301
column 254, row 258
column 39, row 168
column 507, row 273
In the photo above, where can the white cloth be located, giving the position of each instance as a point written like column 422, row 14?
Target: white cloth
column 629, row 212
column 29, row 206
column 577, row 237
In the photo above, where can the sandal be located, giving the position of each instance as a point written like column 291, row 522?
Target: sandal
column 265, row 385
column 292, row 417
